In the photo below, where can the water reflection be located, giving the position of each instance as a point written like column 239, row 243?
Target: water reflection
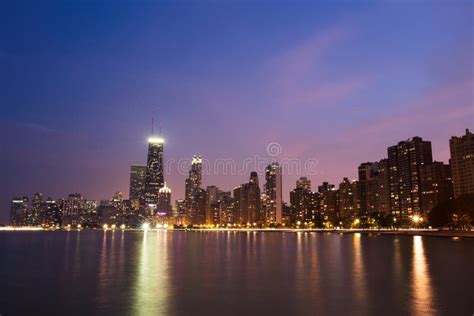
column 151, row 290
column 359, row 284
column 422, row 291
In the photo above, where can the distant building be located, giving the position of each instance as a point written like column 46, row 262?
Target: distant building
column 154, row 178
column 462, row 163
column 303, row 183
column 164, row 201
column 373, row 188
column 18, row 211
column 247, row 201
column 347, row 199
column 328, row 202
column 212, row 199
column 437, row 185
column 193, row 190
column 406, row 161
column 137, row 184
column 33, row 218
column 273, row 191
column 51, row 214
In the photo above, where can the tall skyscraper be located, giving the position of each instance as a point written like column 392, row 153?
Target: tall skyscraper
column 304, row 203
column 137, row 184
column 405, row 162
column 273, row 191
column 34, row 214
column 154, row 179
column 247, row 201
column 164, row 201
column 462, row 163
column 192, row 190
column 18, row 211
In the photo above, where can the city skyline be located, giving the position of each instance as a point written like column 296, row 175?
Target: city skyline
column 320, row 80
column 407, row 183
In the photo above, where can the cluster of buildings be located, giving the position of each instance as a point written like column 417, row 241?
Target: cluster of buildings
column 388, row 192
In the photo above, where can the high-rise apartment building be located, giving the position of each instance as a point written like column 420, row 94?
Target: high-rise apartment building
column 462, row 163
column 405, row 162
column 164, row 207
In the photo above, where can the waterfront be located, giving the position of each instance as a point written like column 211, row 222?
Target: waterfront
column 234, row 273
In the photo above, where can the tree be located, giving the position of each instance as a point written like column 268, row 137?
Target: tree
column 455, row 214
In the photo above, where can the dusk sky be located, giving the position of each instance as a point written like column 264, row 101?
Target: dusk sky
column 336, row 81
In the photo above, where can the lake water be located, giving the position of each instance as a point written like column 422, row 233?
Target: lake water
column 234, row 273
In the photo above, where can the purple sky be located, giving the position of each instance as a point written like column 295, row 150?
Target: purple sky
column 334, row 82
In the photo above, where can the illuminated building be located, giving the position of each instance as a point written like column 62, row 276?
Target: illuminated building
column 462, row 163
column 247, row 201
column 18, row 211
column 192, row 189
column 164, row 201
column 154, row 178
column 406, row 161
column 137, row 184
column 273, row 192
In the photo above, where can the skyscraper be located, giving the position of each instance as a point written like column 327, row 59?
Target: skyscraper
column 192, row 190
column 154, row 179
column 273, row 191
column 462, row 163
column 405, row 162
column 437, row 184
column 247, row 201
column 137, row 184
column 18, row 211
column 164, row 201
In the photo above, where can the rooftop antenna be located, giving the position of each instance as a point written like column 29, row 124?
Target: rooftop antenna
column 161, row 125
column 152, row 125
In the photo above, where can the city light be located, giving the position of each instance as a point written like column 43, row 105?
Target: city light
column 122, row 227
column 156, row 140
column 105, row 226
column 145, row 226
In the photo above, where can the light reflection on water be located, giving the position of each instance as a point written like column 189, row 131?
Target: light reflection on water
column 234, row 273
column 422, row 291
column 151, row 289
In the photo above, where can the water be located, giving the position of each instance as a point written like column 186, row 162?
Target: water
column 234, row 273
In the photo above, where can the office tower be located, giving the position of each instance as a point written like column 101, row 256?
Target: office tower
column 200, row 215
column 405, row 162
column 181, row 211
column 437, row 185
column 347, row 200
column 273, row 191
column 193, row 187
column 304, row 183
column 164, row 201
column 247, row 201
column 154, row 178
column 462, row 163
column 18, row 211
column 212, row 198
column 137, row 185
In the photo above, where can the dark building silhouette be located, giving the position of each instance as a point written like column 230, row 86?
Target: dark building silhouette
column 462, row 163
column 137, row 184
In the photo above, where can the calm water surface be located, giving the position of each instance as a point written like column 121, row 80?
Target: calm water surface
column 233, row 273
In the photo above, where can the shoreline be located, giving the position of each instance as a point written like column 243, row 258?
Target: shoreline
column 398, row 232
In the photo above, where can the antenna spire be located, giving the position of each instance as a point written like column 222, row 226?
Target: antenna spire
column 161, row 125
column 152, row 125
